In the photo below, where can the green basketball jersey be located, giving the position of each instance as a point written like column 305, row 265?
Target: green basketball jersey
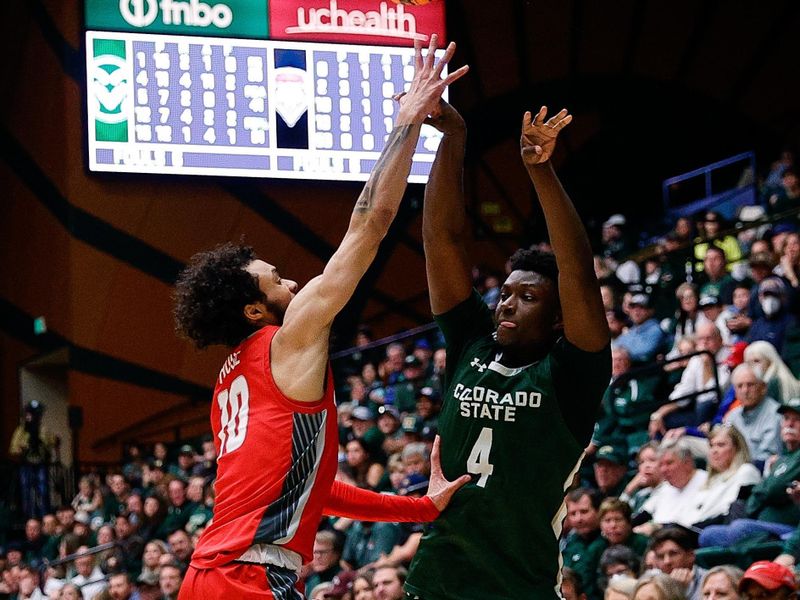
column 521, row 434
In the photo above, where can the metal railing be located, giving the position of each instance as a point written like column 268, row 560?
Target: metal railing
column 706, row 172
column 385, row 341
column 657, row 367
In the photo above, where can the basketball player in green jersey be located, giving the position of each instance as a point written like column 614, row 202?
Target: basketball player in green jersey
column 522, row 390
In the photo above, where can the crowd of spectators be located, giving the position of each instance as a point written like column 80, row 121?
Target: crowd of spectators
column 690, row 484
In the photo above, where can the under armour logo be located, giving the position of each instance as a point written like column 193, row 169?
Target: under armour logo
column 477, row 363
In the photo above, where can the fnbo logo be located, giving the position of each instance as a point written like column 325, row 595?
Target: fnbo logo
column 141, row 13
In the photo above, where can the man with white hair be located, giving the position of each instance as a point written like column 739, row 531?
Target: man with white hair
column 757, row 417
column 677, row 494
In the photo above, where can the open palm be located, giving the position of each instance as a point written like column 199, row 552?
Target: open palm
column 538, row 140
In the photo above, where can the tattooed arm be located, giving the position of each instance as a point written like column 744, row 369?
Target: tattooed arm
column 299, row 349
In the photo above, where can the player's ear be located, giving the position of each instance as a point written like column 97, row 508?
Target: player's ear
column 255, row 313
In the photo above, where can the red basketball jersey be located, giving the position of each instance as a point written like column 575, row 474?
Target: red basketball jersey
column 277, row 459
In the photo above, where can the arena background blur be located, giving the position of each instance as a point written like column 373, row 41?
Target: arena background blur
column 88, row 260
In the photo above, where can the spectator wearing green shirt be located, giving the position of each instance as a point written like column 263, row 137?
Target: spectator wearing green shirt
column 627, row 405
column 610, row 470
column 366, row 542
column 325, row 562
column 584, row 545
column 715, row 279
column 180, row 508
column 363, row 427
column 617, row 529
column 183, row 469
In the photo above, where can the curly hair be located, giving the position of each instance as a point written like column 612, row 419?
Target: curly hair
column 211, row 293
column 530, row 259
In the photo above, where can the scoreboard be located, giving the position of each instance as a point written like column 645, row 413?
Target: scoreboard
column 291, row 100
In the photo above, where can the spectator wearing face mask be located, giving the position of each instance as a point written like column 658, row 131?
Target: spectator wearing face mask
column 777, row 321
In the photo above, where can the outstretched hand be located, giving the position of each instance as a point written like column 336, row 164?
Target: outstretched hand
column 538, row 140
column 440, row 490
column 427, row 87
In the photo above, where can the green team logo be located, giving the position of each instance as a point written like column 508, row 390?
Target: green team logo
column 109, row 90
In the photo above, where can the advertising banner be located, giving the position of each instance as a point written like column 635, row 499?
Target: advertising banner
column 355, row 21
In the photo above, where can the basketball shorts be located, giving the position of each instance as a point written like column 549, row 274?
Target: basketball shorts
column 240, row 580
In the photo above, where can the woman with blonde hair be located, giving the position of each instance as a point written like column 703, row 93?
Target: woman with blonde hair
column 153, row 551
column 657, row 586
column 722, row 582
column 782, row 385
column 729, row 469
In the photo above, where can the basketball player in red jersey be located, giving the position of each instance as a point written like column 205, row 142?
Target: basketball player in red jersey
column 273, row 414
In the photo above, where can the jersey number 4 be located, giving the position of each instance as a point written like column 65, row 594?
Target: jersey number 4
column 478, row 461
column 234, row 408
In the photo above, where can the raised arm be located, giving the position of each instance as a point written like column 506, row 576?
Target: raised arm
column 446, row 265
column 299, row 350
column 585, row 323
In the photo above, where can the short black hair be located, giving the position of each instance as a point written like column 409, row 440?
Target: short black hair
column 714, row 248
column 595, row 496
column 531, row 259
column 619, row 555
column 683, row 537
column 211, row 293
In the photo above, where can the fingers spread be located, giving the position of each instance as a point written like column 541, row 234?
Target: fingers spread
column 457, row 74
column 417, row 55
column 431, row 51
column 540, row 116
column 526, row 119
column 448, row 54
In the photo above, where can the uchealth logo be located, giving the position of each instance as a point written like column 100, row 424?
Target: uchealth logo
column 386, row 21
column 380, row 22
column 143, row 13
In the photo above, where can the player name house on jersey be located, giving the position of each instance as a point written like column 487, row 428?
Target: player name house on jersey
column 230, row 364
column 479, row 402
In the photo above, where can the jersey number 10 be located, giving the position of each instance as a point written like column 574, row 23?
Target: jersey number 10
column 234, row 408
column 478, row 461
